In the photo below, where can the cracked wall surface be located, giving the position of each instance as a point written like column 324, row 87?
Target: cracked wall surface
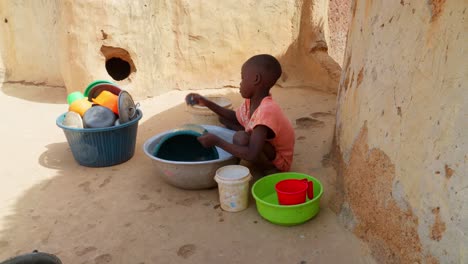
column 401, row 133
column 172, row 44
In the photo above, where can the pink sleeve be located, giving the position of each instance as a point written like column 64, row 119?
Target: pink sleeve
column 267, row 117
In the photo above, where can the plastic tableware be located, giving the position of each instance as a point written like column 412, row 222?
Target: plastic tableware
column 233, row 187
column 91, row 85
column 102, row 147
column 72, row 97
column 80, row 106
column 269, row 208
column 35, row 257
column 97, row 89
column 107, row 99
column 98, row 116
column 293, row 191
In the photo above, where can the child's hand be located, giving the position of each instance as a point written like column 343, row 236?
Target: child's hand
column 195, row 99
column 208, row 140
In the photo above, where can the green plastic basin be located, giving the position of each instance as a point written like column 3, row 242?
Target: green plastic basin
column 268, row 207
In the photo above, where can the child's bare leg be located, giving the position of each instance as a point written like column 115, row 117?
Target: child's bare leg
column 230, row 124
column 241, row 138
column 268, row 154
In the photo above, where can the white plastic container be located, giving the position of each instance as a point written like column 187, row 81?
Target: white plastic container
column 203, row 116
column 233, row 186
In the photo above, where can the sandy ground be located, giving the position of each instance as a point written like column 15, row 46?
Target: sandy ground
column 127, row 214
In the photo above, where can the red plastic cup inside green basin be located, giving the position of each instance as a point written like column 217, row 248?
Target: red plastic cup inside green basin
column 293, row 191
column 268, row 207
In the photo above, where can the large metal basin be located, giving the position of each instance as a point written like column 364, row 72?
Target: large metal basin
column 191, row 175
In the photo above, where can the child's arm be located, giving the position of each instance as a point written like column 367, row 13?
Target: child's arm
column 249, row 153
column 228, row 114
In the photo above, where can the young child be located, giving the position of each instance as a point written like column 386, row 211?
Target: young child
column 265, row 135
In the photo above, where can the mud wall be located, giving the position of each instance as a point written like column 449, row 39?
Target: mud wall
column 160, row 45
column 339, row 15
column 29, row 48
column 401, row 138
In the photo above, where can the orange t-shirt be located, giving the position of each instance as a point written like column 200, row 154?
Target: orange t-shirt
column 270, row 114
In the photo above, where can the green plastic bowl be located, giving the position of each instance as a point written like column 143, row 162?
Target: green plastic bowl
column 268, row 207
column 91, row 85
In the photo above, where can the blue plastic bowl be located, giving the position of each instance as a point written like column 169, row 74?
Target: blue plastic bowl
column 102, row 147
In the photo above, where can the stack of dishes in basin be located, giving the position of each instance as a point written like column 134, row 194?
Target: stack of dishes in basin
column 101, row 125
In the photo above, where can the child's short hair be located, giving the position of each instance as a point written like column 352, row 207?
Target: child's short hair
column 269, row 67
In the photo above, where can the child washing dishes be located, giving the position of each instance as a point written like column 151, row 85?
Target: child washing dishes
column 264, row 136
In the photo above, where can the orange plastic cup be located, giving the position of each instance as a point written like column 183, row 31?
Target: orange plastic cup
column 80, row 106
column 109, row 100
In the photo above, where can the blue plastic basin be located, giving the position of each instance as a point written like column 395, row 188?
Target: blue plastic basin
column 102, row 147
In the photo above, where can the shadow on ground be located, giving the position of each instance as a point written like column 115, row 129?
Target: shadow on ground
column 127, row 214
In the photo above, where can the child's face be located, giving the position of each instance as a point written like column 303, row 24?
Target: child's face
column 248, row 78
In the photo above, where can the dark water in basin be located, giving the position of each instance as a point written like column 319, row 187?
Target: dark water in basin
column 184, row 146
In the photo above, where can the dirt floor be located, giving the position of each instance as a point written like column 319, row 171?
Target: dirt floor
column 127, row 214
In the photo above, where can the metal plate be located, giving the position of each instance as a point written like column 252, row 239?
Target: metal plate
column 73, row 119
column 127, row 107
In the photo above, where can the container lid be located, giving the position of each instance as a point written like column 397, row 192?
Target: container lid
column 97, row 89
column 232, row 173
column 98, row 116
column 72, row 119
column 127, row 107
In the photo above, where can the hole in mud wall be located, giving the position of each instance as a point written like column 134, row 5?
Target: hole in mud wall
column 117, row 68
column 119, row 64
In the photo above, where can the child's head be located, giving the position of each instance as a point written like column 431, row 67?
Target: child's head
column 259, row 74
